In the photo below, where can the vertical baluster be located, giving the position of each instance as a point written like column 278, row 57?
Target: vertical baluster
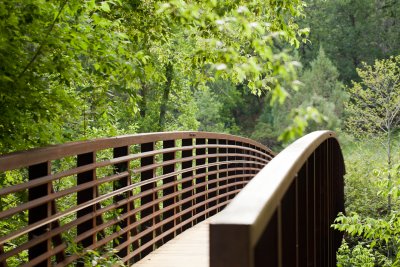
column 319, row 230
column 302, row 216
column 265, row 154
column 289, row 225
column 121, row 183
column 231, row 167
column 40, row 212
column 212, row 177
column 311, row 249
column 254, row 165
column 240, row 165
column 331, row 216
column 324, row 205
column 338, row 188
column 146, row 175
column 57, row 239
column 247, row 165
column 223, row 173
column 202, row 179
column 84, row 196
column 2, row 263
column 187, row 184
column 169, row 190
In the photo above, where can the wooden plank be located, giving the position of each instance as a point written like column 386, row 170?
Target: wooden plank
column 190, row 248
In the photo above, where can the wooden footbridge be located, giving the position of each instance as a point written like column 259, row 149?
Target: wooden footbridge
column 172, row 199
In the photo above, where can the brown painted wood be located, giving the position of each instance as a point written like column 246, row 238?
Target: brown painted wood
column 39, row 213
column 96, row 225
column 56, row 238
column 289, row 226
column 239, row 157
column 171, row 189
column 201, row 173
column 35, row 156
column 301, row 217
column 267, row 208
column 232, row 166
column 211, row 176
column 3, row 263
column 118, row 184
column 311, row 219
column 57, row 176
column 146, row 175
column 188, row 183
column 267, row 249
column 84, row 196
column 222, row 174
column 230, row 246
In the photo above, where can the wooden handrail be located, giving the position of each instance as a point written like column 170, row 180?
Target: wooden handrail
column 283, row 216
column 132, row 193
column 35, row 156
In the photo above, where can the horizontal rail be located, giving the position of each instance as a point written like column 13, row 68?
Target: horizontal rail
column 283, row 216
column 131, row 193
column 34, row 156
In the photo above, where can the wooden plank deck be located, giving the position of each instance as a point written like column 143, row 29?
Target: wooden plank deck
column 190, row 248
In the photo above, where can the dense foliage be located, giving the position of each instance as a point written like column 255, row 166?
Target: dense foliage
column 77, row 69
column 269, row 70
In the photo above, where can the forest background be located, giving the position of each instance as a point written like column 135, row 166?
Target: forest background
column 72, row 70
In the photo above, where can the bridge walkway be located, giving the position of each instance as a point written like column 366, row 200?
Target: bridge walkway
column 188, row 249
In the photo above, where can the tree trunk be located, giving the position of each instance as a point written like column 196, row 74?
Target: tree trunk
column 389, row 161
column 167, row 89
column 143, row 101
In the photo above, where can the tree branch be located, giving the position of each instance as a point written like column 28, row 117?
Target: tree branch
column 44, row 41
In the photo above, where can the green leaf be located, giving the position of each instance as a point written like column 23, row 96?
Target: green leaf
column 105, row 7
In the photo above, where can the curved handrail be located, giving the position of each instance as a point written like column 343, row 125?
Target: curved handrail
column 131, row 193
column 254, row 219
column 37, row 155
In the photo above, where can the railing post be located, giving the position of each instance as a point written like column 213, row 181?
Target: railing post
column 202, row 179
column 40, row 212
column 121, row 183
column 169, row 190
column 268, row 248
column 212, row 177
column 145, row 175
column 230, row 246
column 187, row 184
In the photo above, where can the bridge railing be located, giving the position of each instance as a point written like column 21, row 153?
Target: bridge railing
column 129, row 193
column 283, row 216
